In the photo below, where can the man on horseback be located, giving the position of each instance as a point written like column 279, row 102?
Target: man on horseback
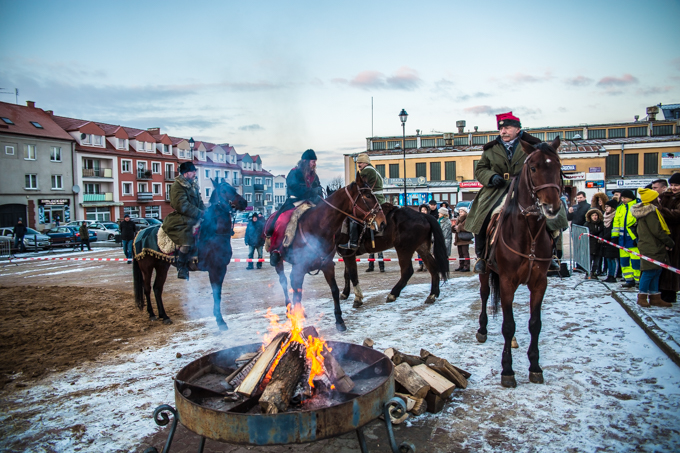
column 179, row 225
column 502, row 159
column 302, row 185
column 370, row 176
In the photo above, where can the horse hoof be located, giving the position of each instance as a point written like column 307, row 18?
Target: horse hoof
column 481, row 337
column 391, row 298
column 536, row 378
column 222, row 326
column 357, row 303
column 514, row 344
column 167, row 321
column 344, row 296
column 508, row 381
column 153, row 318
column 340, row 326
column 430, row 299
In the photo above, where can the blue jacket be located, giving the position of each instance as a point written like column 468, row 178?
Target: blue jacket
column 254, row 233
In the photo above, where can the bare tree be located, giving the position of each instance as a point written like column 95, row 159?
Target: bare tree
column 337, row 183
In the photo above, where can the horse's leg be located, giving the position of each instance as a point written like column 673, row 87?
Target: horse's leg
column 351, row 268
column 283, row 280
column 536, row 298
column 484, row 291
column 216, row 274
column 162, row 269
column 297, row 277
column 148, row 274
column 329, row 273
column 406, row 267
column 508, row 329
column 431, row 265
column 345, row 291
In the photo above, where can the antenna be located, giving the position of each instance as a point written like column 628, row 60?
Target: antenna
column 15, row 93
column 371, row 116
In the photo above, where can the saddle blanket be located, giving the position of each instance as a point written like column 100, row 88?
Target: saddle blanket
column 286, row 226
column 148, row 241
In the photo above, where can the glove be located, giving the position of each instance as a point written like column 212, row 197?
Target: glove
column 497, row 181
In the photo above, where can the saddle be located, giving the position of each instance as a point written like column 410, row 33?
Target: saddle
column 286, row 227
column 154, row 241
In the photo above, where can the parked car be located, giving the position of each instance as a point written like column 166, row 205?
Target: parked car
column 111, row 226
column 68, row 236
column 142, row 222
column 103, row 233
column 30, row 238
column 466, row 204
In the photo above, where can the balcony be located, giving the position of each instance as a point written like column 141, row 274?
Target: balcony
column 97, row 173
column 144, row 197
column 258, row 187
column 170, row 175
column 108, row 196
column 144, row 174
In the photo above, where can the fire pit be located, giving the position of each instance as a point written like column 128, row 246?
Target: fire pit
column 208, row 406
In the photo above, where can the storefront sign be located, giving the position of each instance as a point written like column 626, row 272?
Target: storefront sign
column 410, row 182
column 595, row 176
column 470, row 185
column 580, row 176
column 595, row 169
column 670, row 160
column 54, row 202
column 632, row 183
column 595, row 184
column 568, row 167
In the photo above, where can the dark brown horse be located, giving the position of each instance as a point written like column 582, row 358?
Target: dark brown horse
column 523, row 250
column 314, row 245
column 214, row 254
column 407, row 231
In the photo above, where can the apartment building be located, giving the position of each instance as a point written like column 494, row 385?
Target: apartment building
column 258, row 184
column 279, row 191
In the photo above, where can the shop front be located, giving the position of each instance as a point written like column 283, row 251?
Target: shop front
column 53, row 210
column 469, row 189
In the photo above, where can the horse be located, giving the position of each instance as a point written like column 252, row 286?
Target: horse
column 407, row 231
column 523, row 251
column 313, row 247
column 214, row 254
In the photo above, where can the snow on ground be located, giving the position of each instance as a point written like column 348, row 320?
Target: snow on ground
column 608, row 386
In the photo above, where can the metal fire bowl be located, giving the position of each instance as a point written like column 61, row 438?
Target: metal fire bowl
column 371, row 371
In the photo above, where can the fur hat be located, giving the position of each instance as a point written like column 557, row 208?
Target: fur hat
column 648, row 195
column 507, row 119
column 363, row 159
column 444, row 212
column 309, row 155
column 628, row 194
column 186, row 167
column 590, row 213
column 674, row 179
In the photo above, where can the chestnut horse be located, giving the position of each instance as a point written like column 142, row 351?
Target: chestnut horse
column 214, row 254
column 523, row 250
column 313, row 248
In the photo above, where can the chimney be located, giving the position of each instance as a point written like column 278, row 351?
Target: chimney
column 49, row 112
column 30, row 104
column 476, row 128
column 651, row 113
column 154, row 130
column 461, row 126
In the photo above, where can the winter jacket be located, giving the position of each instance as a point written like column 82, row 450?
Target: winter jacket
column 596, row 229
column 459, row 228
column 374, row 180
column 185, row 199
column 652, row 239
column 19, row 230
column 599, row 197
column 578, row 217
column 445, row 225
column 84, row 233
column 494, row 161
column 255, row 233
column 669, row 206
column 127, row 230
column 606, row 250
column 622, row 230
column 301, row 189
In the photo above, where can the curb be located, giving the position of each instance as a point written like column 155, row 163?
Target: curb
column 660, row 337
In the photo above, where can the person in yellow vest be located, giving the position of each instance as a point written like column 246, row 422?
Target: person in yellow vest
column 623, row 233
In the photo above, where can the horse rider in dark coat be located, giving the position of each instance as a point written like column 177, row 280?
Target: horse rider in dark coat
column 179, row 225
column 501, row 160
column 302, row 185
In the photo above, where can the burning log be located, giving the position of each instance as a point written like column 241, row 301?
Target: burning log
column 336, row 374
column 235, row 378
column 279, row 391
column 251, row 382
column 411, row 381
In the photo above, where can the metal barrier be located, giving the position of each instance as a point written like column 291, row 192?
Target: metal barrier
column 6, row 248
column 580, row 247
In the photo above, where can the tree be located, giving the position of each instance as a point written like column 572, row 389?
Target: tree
column 337, row 183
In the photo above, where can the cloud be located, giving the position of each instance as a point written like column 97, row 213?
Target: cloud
column 519, row 78
column 655, row 90
column 578, row 81
column 251, row 128
column 611, row 81
column 368, row 79
column 404, row 78
column 485, row 110
column 477, row 95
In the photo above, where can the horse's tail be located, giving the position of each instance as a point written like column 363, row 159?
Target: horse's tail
column 441, row 258
column 495, row 286
column 138, row 282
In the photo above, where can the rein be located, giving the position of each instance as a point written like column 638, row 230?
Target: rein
column 372, row 213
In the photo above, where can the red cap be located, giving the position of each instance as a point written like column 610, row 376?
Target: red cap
column 507, row 119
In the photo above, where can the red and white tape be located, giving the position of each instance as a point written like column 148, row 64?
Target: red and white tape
column 646, row 258
column 234, row 260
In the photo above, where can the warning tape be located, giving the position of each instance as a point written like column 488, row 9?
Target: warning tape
column 646, row 258
column 234, row 260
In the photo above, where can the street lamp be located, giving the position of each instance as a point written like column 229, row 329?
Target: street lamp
column 402, row 116
column 191, row 145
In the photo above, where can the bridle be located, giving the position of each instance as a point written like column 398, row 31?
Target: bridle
column 369, row 214
column 535, row 209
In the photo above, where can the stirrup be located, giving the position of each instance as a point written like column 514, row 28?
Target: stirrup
column 480, row 266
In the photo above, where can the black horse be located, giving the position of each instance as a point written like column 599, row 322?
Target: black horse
column 214, row 254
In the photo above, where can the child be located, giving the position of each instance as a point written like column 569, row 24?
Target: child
column 596, row 229
column 609, row 252
column 654, row 241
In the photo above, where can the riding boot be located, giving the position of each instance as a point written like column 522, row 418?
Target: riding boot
column 274, row 258
column 182, row 263
column 480, row 250
column 353, row 243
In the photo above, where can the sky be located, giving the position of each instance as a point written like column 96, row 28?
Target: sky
column 276, row 78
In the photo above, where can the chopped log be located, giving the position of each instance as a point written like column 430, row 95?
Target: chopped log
column 439, row 385
column 425, row 353
column 279, row 391
column 420, row 407
column 410, row 380
column 399, row 357
column 435, row 404
column 369, row 343
column 247, row 357
column 310, row 330
column 462, row 372
column 407, row 399
column 235, row 378
column 336, row 374
column 445, row 368
column 251, row 382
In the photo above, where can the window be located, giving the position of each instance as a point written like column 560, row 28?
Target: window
column 474, row 165
column 612, row 165
column 217, row 174
column 9, row 150
column 617, row 133
column 479, row 140
column 571, row 134
column 57, row 183
column 246, row 181
column 550, row 136
column 450, row 170
column 662, row 130
column 597, row 133
column 36, row 124
column 268, row 197
column 132, row 211
column 207, row 192
column 127, row 188
column 156, row 167
column 651, row 163
column 166, row 149
column 55, row 154
column 167, row 191
column 377, row 146
column 30, row 152
column 98, row 140
column 98, row 214
column 631, row 165
column 460, row 141
column 441, row 142
column 393, row 144
column 268, row 182
column 202, row 155
column 142, row 187
column 226, row 174
column 435, row 171
column 126, row 166
column 538, row 135
column 494, row 137
column 421, row 169
column 152, row 211
column 410, row 144
column 6, row 120
column 258, row 197
column 394, row 170
column 249, row 197
column 258, row 180
column 207, row 173
column 157, row 189
column 427, row 143
column 92, row 189
column 140, row 146
column 87, row 139
column 380, row 169
column 637, row 131
column 121, row 143
column 31, row 181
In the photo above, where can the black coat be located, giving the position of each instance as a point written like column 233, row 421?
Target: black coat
column 299, row 188
column 127, row 230
column 596, row 229
column 609, row 251
column 578, row 217
column 255, row 233
column 19, row 230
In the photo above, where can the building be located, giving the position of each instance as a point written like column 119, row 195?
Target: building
column 279, row 191
column 36, row 161
column 258, row 184
column 216, row 161
column 595, row 157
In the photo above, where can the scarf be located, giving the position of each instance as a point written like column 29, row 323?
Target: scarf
column 662, row 221
column 608, row 219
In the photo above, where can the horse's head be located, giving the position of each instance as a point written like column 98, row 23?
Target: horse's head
column 225, row 193
column 366, row 205
column 543, row 174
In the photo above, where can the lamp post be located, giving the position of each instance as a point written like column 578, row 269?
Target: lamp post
column 403, row 116
column 191, row 146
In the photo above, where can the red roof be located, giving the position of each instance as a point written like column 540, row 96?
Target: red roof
column 22, row 116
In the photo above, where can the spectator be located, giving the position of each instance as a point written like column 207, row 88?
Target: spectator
column 444, row 204
column 654, row 241
column 596, row 229
column 254, row 239
column 462, row 244
column 609, row 252
column 598, row 201
column 19, row 233
column 127, row 236
column 616, row 195
column 424, row 209
column 433, row 209
column 622, row 231
column 660, row 186
column 445, row 225
column 669, row 203
column 577, row 214
column 84, row 236
column 56, row 221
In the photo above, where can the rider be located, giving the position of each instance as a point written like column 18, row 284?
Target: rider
column 501, row 160
column 302, row 184
column 185, row 199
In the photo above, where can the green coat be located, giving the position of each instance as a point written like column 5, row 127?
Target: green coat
column 185, row 199
column 371, row 176
column 652, row 239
